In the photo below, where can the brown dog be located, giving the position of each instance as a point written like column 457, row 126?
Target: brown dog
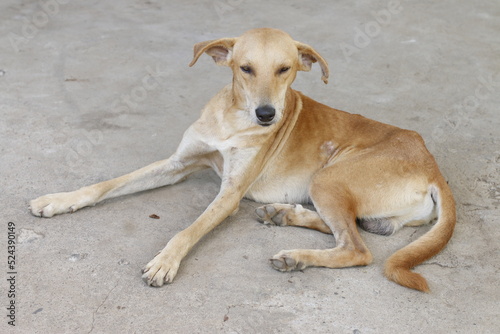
column 272, row 144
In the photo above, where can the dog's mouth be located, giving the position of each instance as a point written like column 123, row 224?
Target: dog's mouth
column 265, row 123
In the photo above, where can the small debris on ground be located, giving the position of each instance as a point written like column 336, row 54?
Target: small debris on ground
column 77, row 257
column 27, row 235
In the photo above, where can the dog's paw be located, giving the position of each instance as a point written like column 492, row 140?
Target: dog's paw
column 53, row 204
column 161, row 270
column 270, row 215
column 286, row 261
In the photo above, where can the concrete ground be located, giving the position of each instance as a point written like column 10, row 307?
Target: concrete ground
column 92, row 90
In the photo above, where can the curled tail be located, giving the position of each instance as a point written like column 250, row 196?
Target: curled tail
column 397, row 267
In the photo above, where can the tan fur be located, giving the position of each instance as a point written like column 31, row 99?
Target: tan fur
column 351, row 168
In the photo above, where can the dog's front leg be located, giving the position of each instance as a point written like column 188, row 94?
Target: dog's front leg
column 163, row 268
column 239, row 172
column 186, row 160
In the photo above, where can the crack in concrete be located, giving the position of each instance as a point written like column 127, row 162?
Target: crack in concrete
column 228, row 308
column 412, row 234
column 439, row 264
column 253, row 306
column 98, row 307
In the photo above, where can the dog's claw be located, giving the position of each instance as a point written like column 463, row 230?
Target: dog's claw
column 149, row 280
column 160, row 270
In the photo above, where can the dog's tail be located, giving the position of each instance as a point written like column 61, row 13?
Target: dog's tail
column 397, row 267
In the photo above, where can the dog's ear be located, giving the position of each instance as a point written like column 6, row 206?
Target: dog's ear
column 220, row 50
column 308, row 56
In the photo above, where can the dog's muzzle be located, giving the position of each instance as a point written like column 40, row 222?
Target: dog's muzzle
column 265, row 114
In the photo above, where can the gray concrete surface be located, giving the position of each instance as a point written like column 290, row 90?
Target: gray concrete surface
column 91, row 90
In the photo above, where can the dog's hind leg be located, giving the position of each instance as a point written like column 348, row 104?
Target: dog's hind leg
column 337, row 209
column 291, row 215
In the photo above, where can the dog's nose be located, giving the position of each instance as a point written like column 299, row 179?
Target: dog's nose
column 265, row 113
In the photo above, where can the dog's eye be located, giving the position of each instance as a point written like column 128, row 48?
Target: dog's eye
column 284, row 69
column 246, row 69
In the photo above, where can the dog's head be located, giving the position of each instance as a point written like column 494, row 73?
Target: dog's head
column 264, row 62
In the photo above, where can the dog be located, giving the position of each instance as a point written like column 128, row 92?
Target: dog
column 272, row 144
